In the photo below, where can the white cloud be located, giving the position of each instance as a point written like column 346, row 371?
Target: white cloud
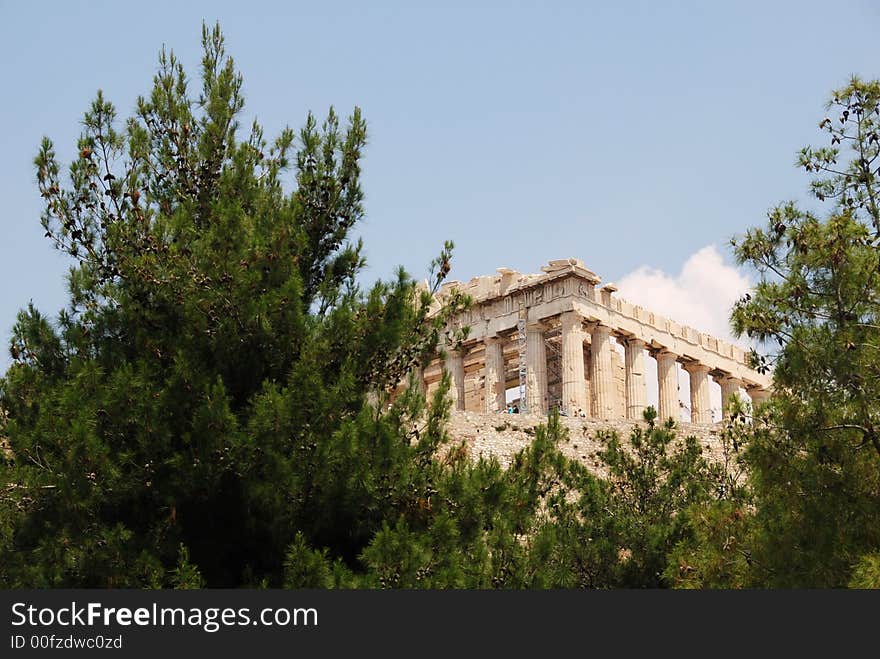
column 701, row 296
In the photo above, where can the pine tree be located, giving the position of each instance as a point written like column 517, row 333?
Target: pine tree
column 814, row 455
column 201, row 406
column 623, row 530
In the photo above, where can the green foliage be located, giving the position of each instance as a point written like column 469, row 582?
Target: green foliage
column 867, row 572
column 474, row 530
column 207, row 386
column 618, row 532
column 815, row 456
column 716, row 551
column 186, row 576
column 305, row 567
column 654, row 481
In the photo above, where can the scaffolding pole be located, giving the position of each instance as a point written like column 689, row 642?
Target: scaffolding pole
column 522, row 342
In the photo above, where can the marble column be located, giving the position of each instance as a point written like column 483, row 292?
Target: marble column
column 729, row 388
column 454, row 365
column 494, row 393
column 574, row 386
column 536, row 369
column 701, row 407
column 667, row 381
column 634, row 362
column 418, row 380
column 758, row 396
column 602, row 380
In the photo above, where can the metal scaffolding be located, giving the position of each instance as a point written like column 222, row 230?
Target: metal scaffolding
column 522, row 342
column 553, row 347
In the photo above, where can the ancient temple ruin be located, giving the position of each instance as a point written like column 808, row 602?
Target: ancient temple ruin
column 550, row 336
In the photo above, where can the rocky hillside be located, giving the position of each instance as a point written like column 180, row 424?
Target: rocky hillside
column 503, row 435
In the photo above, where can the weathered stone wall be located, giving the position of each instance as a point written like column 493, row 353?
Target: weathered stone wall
column 503, row 435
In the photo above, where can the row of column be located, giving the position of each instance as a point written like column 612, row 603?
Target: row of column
column 574, row 392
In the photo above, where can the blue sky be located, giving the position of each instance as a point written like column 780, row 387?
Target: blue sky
column 629, row 134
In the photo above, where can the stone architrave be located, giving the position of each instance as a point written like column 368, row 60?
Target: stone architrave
column 574, row 386
column 667, row 381
column 536, row 369
column 634, row 364
column 602, row 380
column 701, row 407
column 494, row 394
column 455, row 367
